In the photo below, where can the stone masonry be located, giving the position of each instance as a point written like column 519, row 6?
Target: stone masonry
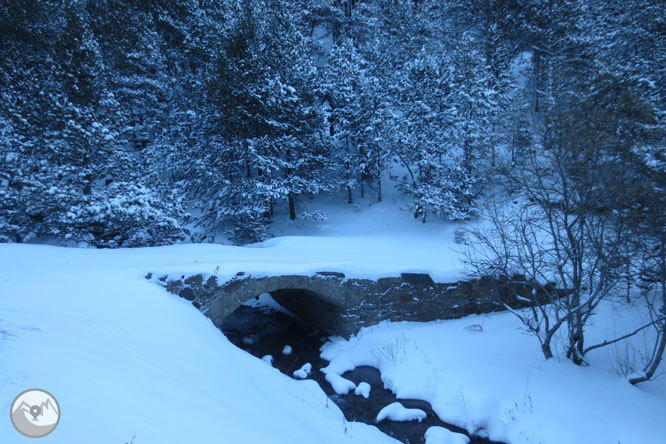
column 337, row 305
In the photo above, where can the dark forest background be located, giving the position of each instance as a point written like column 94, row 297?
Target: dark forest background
column 130, row 123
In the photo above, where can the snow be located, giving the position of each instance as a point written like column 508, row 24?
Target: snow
column 340, row 385
column 495, row 382
column 363, row 389
column 398, row 412
column 440, row 435
column 268, row 359
column 266, row 302
column 287, row 350
column 125, row 358
column 88, row 327
column 303, row 372
column 356, row 257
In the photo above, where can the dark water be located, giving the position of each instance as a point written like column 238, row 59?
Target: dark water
column 264, row 332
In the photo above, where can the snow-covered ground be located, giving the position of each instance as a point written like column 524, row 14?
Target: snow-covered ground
column 484, row 374
column 126, row 359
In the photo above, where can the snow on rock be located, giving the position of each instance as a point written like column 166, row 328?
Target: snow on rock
column 363, row 389
column 287, row 350
column 398, row 412
column 303, row 372
column 441, row 435
column 340, row 385
column 268, row 359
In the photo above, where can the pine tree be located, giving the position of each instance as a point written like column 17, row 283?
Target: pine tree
column 265, row 139
column 358, row 119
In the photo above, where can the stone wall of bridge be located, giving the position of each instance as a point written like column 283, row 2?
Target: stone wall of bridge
column 333, row 303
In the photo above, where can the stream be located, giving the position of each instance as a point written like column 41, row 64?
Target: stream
column 263, row 331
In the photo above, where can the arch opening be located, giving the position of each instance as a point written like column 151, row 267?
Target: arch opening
column 311, row 308
column 287, row 336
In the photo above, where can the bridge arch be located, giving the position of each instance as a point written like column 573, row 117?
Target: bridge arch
column 315, row 304
column 338, row 305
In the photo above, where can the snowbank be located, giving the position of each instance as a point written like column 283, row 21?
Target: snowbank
column 356, row 257
column 494, row 381
column 124, row 358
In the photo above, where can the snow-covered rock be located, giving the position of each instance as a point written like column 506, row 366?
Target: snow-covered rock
column 340, row 385
column 440, row 435
column 363, row 389
column 268, row 359
column 303, row 372
column 287, row 350
column 398, row 412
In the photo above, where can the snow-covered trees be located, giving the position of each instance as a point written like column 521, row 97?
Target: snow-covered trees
column 427, row 148
column 265, row 135
column 237, row 109
column 357, row 120
column 63, row 144
column 571, row 233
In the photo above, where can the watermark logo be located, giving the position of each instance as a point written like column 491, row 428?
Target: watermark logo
column 35, row 413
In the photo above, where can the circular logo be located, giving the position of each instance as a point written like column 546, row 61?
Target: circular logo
column 35, row 413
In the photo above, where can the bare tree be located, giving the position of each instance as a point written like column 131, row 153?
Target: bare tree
column 514, row 249
column 651, row 222
column 563, row 236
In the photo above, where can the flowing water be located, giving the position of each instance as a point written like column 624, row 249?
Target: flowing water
column 265, row 331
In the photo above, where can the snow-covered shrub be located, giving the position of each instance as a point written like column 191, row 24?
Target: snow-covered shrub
column 124, row 215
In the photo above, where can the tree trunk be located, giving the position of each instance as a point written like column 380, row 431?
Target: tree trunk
column 655, row 360
column 292, row 207
column 349, row 195
column 537, row 74
column 87, row 188
column 493, row 154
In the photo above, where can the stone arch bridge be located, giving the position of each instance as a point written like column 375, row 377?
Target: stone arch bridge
column 338, row 305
